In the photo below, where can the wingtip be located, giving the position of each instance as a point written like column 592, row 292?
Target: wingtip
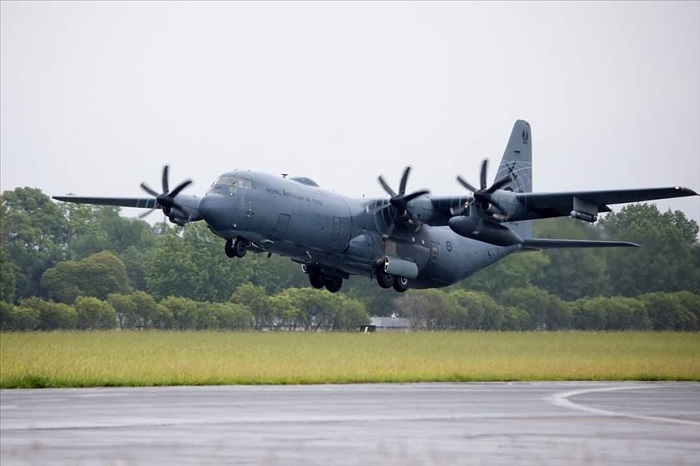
column 686, row 191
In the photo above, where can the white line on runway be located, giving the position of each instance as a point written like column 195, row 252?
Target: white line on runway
column 562, row 400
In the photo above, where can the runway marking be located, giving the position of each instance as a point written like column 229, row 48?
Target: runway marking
column 562, row 400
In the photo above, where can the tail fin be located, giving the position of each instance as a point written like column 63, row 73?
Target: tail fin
column 517, row 161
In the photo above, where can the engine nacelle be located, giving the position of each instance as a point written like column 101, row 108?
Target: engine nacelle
column 400, row 267
column 421, row 209
column 484, row 230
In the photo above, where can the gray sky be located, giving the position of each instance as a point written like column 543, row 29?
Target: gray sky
column 98, row 96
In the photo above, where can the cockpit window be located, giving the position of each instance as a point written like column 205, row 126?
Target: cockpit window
column 234, row 182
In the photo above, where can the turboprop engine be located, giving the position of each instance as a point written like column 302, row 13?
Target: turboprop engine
column 484, row 230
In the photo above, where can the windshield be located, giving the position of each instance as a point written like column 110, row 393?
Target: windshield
column 234, row 182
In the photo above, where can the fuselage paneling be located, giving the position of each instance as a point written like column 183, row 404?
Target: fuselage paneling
column 318, row 227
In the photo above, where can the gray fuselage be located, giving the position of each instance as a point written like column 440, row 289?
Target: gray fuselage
column 336, row 234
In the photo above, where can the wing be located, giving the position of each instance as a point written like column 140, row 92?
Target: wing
column 546, row 205
column 182, row 210
column 139, row 202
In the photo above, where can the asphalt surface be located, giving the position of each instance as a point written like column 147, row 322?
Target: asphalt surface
column 414, row 424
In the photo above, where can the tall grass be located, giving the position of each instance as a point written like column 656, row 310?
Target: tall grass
column 132, row 358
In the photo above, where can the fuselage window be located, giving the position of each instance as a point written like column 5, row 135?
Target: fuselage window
column 434, row 250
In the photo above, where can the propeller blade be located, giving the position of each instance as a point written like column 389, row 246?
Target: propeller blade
column 146, row 188
column 146, row 214
column 179, row 188
column 166, row 169
column 464, row 183
column 499, row 184
column 408, row 198
column 404, row 179
column 386, row 186
column 484, row 169
column 378, row 208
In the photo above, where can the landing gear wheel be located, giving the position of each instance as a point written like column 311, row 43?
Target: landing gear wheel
column 316, row 279
column 228, row 249
column 401, row 284
column 333, row 284
column 240, row 247
column 384, row 279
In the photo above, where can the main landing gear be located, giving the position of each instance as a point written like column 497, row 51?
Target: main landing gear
column 386, row 280
column 236, row 248
column 320, row 280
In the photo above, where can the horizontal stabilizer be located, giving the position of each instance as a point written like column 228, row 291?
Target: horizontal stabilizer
column 538, row 243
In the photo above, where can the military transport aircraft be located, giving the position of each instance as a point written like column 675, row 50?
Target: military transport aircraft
column 409, row 239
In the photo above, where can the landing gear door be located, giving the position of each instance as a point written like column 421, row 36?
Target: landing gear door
column 281, row 227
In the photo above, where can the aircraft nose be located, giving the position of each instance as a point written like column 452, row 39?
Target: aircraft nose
column 214, row 211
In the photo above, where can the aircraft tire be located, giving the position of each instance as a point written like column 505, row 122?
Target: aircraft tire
column 316, row 279
column 228, row 249
column 240, row 247
column 334, row 284
column 384, row 279
column 401, row 284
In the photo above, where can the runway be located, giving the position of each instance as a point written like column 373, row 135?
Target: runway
column 412, row 424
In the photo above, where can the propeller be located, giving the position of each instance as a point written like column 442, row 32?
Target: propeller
column 398, row 201
column 166, row 199
column 483, row 195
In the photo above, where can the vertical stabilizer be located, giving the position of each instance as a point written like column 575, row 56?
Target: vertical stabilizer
column 517, row 161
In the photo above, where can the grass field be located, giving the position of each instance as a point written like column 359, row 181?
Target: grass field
column 112, row 358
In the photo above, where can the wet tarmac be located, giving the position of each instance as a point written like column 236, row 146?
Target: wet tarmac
column 547, row 423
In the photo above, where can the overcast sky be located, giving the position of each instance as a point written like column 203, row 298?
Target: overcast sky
column 98, row 96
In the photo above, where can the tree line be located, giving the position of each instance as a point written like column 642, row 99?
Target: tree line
column 56, row 256
column 250, row 307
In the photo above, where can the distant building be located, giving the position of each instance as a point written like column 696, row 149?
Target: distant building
column 387, row 324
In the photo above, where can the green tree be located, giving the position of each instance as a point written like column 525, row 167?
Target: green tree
column 7, row 278
column 515, row 318
column 139, row 310
column 377, row 301
column 590, row 313
column 667, row 312
column 691, row 303
column 668, row 259
column 125, row 307
column 285, row 306
column 52, row 316
column 625, row 313
column 350, row 315
column 94, row 314
column 229, row 316
column 476, row 311
column 314, row 309
column 98, row 275
column 32, row 236
column 274, row 273
column 149, row 313
column 16, row 318
column 571, row 274
column 185, row 312
column 190, row 262
column 426, row 309
column 515, row 271
column 256, row 300
column 546, row 311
